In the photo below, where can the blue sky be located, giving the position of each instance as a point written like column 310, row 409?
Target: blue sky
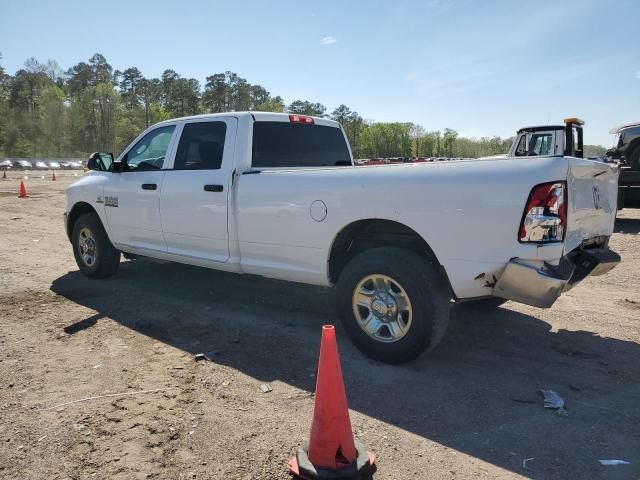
column 480, row 67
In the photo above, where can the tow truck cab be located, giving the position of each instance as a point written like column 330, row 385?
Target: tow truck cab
column 550, row 140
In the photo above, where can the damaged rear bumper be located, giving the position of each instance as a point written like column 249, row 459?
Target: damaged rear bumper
column 540, row 286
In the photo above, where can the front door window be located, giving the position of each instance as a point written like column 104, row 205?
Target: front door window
column 150, row 151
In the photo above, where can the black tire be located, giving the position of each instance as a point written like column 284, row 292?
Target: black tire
column 106, row 257
column 633, row 158
column 421, row 283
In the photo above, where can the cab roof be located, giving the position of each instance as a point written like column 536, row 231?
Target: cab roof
column 257, row 116
column 567, row 121
column 541, row 127
column 622, row 127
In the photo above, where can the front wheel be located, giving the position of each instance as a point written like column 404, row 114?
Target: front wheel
column 95, row 255
column 393, row 304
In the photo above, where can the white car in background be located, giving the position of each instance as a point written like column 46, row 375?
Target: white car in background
column 24, row 164
column 54, row 165
column 41, row 165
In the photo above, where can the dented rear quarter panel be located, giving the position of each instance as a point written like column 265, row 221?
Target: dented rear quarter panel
column 593, row 195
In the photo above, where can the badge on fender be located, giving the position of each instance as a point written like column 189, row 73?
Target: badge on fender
column 110, row 201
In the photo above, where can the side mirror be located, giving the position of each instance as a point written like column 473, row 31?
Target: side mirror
column 100, row 161
column 118, row 166
column 92, row 163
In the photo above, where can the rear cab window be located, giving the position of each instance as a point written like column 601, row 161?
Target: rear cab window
column 535, row 144
column 292, row 145
column 540, row 144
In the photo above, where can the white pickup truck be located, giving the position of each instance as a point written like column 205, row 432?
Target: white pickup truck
column 278, row 195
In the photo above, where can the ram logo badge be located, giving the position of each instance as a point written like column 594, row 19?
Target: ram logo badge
column 110, row 201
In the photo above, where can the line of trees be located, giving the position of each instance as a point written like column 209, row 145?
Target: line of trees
column 46, row 111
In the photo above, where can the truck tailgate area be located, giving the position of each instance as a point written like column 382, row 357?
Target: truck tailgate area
column 592, row 190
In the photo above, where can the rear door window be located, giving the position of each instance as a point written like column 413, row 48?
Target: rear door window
column 201, row 146
column 282, row 144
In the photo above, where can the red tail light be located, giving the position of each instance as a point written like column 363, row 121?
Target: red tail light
column 545, row 216
column 301, row 119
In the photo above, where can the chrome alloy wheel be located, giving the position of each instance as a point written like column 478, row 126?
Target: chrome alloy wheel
column 87, row 247
column 382, row 308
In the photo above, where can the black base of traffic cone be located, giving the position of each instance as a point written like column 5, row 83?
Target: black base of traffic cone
column 362, row 469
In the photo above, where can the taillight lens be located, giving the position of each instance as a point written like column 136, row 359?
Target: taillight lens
column 305, row 119
column 545, row 216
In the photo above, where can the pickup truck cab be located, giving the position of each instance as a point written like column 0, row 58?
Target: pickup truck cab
column 278, row 195
column 626, row 146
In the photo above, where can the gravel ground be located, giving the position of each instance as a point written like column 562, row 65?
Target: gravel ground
column 471, row 409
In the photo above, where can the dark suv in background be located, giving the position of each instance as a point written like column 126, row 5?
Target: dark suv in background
column 626, row 147
column 626, row 150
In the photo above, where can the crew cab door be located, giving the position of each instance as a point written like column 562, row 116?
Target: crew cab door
column 195, row 191
column 132, row 196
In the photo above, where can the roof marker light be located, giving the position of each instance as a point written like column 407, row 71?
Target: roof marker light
column 304, row 119
column 574, row 120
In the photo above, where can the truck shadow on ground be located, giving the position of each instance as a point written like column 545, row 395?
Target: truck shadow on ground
column 478, row 393
column 627, row 225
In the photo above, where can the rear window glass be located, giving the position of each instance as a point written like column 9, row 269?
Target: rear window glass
column 280, row 144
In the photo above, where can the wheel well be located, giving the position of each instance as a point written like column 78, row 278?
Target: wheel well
column 78, row 209
column 373, row 233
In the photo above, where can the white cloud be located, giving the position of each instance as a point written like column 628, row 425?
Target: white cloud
column 638, row 74
column 328, row 40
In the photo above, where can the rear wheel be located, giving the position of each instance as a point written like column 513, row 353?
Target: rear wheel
column 95, row 255
column 393, row 304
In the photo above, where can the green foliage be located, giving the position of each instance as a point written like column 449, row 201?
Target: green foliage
column 227, row 92
column 352, row 124
column 385, row 140
column 304, row 107
column 48, row 112
column 275, row 104
column 594, row 150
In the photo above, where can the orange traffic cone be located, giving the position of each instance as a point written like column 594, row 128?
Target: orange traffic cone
column 53, row 177
column 23, row 190
column 332, row 452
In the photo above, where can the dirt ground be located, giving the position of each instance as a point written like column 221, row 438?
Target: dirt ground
column 471, row 409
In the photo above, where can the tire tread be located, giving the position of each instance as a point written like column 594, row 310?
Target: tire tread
column 430, row 293
column 108, row 256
